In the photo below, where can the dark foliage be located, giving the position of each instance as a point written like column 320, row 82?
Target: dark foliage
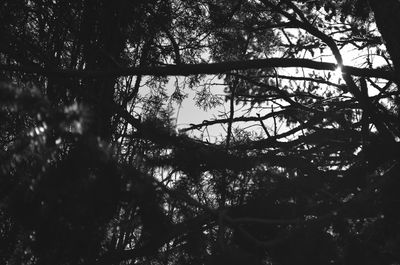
column 95, row 170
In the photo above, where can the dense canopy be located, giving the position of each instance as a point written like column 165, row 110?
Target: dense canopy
column 298, row 163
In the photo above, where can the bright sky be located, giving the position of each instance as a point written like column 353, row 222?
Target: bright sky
column 189, row 113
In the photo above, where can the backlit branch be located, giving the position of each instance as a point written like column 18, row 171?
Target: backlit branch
column 202, row 68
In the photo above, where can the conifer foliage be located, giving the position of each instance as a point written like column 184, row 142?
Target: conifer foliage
column 96, row 169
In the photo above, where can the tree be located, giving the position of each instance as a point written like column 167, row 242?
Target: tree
column 96, row 172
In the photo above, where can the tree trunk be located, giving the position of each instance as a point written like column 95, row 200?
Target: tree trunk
column 103, row 43
column 387, row 16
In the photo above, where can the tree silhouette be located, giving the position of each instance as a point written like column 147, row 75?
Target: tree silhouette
column 95, row 170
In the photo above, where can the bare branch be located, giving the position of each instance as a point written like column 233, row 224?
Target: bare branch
column 201, row 68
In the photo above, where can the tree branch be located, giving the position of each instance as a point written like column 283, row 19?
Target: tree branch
column 202, row 68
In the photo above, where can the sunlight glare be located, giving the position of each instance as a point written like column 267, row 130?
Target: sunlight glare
column 338, row 71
